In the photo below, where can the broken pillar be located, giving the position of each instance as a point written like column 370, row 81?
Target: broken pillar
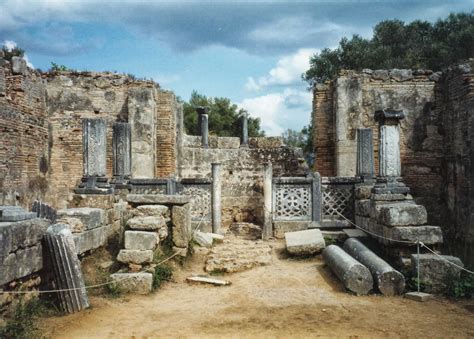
column 67, row 268
column 141, row 116
column 353, row 275
column 388, row 280
column 204, row 123
column 216, row 198
column 122, row 152
column 267, row 231
column 244, row 142
column 94, row 143
column 365, row 154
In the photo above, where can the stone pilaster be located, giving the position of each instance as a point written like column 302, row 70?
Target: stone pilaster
column 365, row 154
column 216, row 198
column 122, row 152
column 267, row 231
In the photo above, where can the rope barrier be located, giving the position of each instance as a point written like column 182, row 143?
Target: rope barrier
column 105, row 283
column 462, row 268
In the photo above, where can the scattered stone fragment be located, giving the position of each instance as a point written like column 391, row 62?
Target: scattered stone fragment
column 140, row 283
column 246, row 230
column 135, row 256
column 353, row 275
column 150, row 223
column 208, row 280
column 305, row 242
column 203, row 239
column 418, row 296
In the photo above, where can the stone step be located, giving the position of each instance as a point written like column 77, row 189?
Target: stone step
column 305, row 242
column 135, row 256
column 140, row 240
column 402, row 215
column 355, row 233
column 90, row 217
column 140, row 283
column 149, row 223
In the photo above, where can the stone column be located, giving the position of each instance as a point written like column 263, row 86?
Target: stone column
column 365, row 154
column 267, row 231
column 94, row 143
column 245, row 131
column 316, row 199
column 67, row 268
column 204, row 120
column 122, row 150
column 216, row 198
column 389, row 142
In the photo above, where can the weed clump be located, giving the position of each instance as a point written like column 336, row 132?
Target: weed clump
column 161, row 274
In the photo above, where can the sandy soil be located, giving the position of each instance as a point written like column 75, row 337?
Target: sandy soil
column 290, row 298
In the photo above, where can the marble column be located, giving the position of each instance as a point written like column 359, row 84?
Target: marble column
column 122, row 150
column 216, row 198
column 317, row 198
column 267, row 231
column 204, row 120
column 245, row 131
column 389, row 142
column 365, row 154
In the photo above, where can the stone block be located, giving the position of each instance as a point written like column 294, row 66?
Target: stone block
column 436, row 271
column 388, row 197
column 380, row 74
column 363, row 191
column 228, row 142
column 19, row 65
column 15, row 213
column 74, row 224
column 21, row 263
column 90, row 217
column 135, row 256
column 140, row 240
column 246, row 230
column 162, row 199
column 402, row 215
column 281, row 227
column 152, row 223
column 418, row 296
column 151, row 210
column 305, row 242
column 203, row 239
column 362, row 207
column 181, row 220
column 362, row 222
column 21, row 234
column 103, row 201
column 355, row 233
column 140, row 283
column 92, row 239
column 429, row 235
column 401, row 74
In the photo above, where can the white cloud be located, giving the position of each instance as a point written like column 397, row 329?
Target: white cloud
column 280, row 110
column 287, row 71
column 9, row 45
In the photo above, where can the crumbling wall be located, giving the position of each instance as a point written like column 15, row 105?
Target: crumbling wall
column 355, row 98
column 24, row 154
column 241, row 170
column 455, row 99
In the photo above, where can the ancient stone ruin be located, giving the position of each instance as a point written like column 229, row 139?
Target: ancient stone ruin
column 87, row 159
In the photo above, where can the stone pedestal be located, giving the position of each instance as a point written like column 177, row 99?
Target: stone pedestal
column 122, row 152
column 94, row 144
column 204, row 123
column 216, row 198
column 267, row 231
column 244, row 142
column 365, row 154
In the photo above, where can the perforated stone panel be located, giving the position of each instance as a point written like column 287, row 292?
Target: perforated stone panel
column 338, row 198
column 201, row 204
column 292, row 202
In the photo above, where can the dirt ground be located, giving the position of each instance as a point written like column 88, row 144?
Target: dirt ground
column 289, row 298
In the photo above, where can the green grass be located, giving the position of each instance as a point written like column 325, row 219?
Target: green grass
column 161, row 274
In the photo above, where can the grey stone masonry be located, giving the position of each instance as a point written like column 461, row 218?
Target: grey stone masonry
column 436, row 271
column 365, row 154
column 140, row 240
column 389, row 142
column 151, row 223
column 90, row 217
column 161, row 199
column 305, row 242
column 94, row 147
column 181, row 220
column 15, row 213
column 122, row 150
column 135, row 256
column 216, row 198
column 429, row 235
column 139, row 283
column 67, row 268
column 402, row 214
column 267, row 231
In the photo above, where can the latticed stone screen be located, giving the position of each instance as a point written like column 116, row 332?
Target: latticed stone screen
column 337, row 197
column 293, row 199
column 149, row 189
column 201, row 199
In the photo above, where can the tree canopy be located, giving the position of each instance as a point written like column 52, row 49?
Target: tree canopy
column 394, row 44
column 224, row 117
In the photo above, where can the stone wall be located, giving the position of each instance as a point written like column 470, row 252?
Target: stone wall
column 455, row 100
column 24, row 153
column 241, row 170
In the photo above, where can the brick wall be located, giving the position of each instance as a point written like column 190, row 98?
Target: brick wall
column 24, row 158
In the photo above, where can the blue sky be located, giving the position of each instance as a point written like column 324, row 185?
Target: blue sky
column 252, row 52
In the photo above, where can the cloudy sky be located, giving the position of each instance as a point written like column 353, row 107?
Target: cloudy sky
column 252, row 52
